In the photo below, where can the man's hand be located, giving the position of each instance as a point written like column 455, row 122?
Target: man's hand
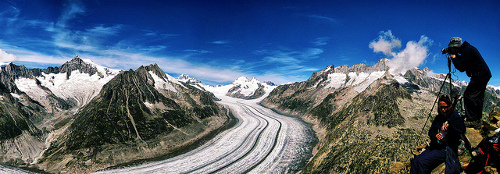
column 445, row 126
column 439, row 136
column 453, row 56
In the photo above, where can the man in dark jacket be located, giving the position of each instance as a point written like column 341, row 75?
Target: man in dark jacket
column 445, row 134
column 466, row 58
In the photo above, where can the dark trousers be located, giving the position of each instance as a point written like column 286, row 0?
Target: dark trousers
column 431, row 158
column 474, row 99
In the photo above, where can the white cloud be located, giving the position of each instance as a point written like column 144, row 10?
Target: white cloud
column 31, row 56
column 385, row 43
column 6, row 57
column 412, row 56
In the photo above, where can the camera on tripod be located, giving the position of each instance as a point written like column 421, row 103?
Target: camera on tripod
column 445, row 51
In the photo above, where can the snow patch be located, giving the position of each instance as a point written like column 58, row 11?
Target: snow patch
column 30, row 87
column 161, row 83
column 149, row 105
column 175, row 80
column 356, row 79
column 336, row 80
column 103, row 70
column 400, row 79
column 79, row 86
column 495, row 87
column 246, row 87
column 369, row 80
column 218, row 90
column 327, row 69
column 16, row 96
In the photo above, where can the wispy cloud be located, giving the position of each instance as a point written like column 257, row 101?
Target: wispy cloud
column 311, row 53
column 10, row 15
column 102, row 30
column 158, row 34
column 220, row 42
column 73, row 9
column 324, row 18
column 198, row 51
column 321, row 41
column 287, row 62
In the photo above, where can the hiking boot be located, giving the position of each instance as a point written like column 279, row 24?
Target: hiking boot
column 473, row 124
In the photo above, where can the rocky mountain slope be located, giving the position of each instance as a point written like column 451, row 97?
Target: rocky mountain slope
column 366, row 119
column 83, row 117
column 20, row 140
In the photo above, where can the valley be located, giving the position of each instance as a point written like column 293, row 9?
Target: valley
column 261, row 142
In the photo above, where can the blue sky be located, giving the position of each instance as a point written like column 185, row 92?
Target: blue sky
column 219, row 41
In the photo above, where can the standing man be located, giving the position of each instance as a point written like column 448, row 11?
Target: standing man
column 445, row 134
column 466, row 58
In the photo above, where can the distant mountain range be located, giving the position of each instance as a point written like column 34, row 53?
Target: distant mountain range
column 82, row 117
column 242, row 87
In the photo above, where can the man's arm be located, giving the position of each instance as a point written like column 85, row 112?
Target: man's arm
column 456, row 124
column 460, row 61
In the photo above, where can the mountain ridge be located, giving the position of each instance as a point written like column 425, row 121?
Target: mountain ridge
column 366, row 119
column 84, row 108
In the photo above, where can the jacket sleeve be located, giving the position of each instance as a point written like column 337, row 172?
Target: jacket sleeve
column 457, row 124
column 433, row 130
column 461, row 61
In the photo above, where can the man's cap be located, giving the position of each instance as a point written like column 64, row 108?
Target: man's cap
column 455, row 42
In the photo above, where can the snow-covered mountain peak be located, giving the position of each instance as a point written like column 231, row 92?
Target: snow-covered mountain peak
column 78, row 79
column 245, row 81
column 86, row 66
column 101, row 69
column 188, row 79
column 183, row 77
column 242, row 87
column 359, row 76
column 240, row 80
